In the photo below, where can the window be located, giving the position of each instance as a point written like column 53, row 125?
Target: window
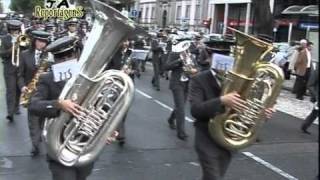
column 147, row 13
column 152, row 13
column 197, row 16
column 178, row 14
column 187, row 15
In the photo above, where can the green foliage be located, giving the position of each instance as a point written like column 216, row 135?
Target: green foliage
column 25, row 6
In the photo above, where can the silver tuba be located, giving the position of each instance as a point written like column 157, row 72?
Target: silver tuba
column 104, row 96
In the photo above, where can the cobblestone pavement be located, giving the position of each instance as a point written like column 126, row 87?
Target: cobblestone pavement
column 287, row 103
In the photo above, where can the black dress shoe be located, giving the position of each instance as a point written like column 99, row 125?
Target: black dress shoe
column 171, row 124
column 35, row 151
column 18, row 112
column 300, row 98
column 10, row 118
column 182, row 137
column 305, row 131
column 158, row 89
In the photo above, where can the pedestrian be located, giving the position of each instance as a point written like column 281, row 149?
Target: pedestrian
column 313, row 86
column 10, row 69
column 45, row 103
column 302, row 68
column 206, row 102
column 178, row 84
column 31, row 61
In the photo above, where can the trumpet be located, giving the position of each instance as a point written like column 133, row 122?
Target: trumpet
column 21, row 41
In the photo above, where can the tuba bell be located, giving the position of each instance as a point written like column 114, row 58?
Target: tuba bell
column 257, row 82
column 105, row 96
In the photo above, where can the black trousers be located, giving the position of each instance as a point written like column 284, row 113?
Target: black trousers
column 310, row 118
column 213, row 159
column 35, row 124
column 156, row 71
column 301, row 84
column 180, row 93
column 61, row 172
column 12, row 89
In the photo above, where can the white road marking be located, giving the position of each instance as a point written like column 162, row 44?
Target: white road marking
column 248, row 154
column 270, row 166
column 160, row 103
column 194, row 163
column 6, row 163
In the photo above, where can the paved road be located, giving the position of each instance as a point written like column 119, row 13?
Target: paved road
column 153, row 152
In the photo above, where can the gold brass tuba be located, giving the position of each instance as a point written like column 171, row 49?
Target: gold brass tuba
column 257, row 82
column 105, row 96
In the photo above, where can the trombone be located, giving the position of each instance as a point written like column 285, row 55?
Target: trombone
column 21, row 41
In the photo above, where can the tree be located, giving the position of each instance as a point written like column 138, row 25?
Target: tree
column 25, row 6
column 263, row 17
column 1, row 7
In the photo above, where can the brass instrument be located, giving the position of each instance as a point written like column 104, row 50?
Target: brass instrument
column 105, row 96
column 17, row 42
column 257, row 82
column 188, row 64
column 32, row 86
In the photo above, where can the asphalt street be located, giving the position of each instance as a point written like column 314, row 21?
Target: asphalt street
column 152, row 151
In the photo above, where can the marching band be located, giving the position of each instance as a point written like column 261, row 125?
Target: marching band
column 84, row 76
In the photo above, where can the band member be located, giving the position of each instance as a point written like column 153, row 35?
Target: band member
column 52, row 29
column 9, row 70
column 206, row 102
column 178, row 84
column 45, row 103
column 72, row 30
column 84, row 31
column 121, row 61
column 157, row 51
column 30, row 60
column 198, row 49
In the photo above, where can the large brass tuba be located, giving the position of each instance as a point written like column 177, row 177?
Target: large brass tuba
column 105, row 96
column 258, row 83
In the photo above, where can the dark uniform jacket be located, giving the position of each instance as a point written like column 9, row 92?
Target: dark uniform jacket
column 27, row 67
column 175, row 65
column 6, row 44
column 204, row 97
column 44, row 102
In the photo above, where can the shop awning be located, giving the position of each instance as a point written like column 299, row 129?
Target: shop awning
column 311, row 10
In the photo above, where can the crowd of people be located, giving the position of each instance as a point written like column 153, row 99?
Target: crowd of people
column 185, row 62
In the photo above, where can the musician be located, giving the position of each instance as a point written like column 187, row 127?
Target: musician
column 45, row 103
column 30, row 60
column 206, row 102
column 178, row 84
column 52, row 29
column 157, row 51
column 199, row 49
column 9, row 70
column 72, row 30
column 120, row 61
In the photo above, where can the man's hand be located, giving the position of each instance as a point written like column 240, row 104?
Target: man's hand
column 70, row 107
column 24, row 89
column 233, row 101
column 193, row 71
column 269, row 112
column 113, row 137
